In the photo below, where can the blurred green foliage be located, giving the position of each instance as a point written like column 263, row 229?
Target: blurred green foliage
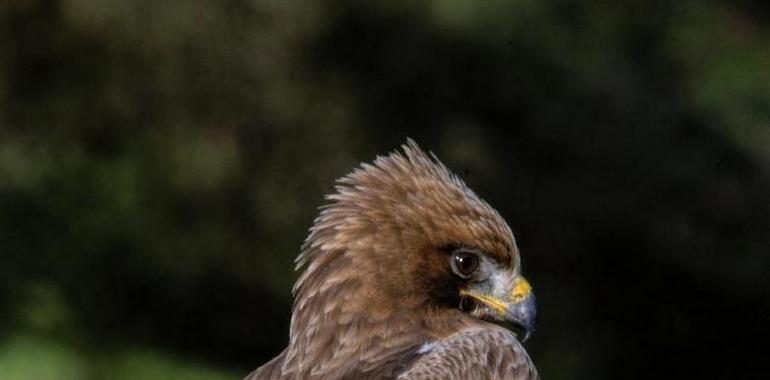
column 161, row 161
column 31, row 358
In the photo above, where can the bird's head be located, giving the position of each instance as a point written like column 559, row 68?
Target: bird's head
column 406, row 234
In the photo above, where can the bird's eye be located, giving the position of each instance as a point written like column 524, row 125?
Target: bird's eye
column 465, row 263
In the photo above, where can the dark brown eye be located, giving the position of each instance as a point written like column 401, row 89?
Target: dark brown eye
column 464, row 263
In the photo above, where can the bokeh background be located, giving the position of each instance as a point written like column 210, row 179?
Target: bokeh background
column 161, row 161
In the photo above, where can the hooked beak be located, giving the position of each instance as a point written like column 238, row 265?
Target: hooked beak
column 512, row 306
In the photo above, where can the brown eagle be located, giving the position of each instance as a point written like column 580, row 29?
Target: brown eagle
column 407, row 274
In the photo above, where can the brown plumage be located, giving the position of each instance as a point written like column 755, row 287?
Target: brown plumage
column 405, row 275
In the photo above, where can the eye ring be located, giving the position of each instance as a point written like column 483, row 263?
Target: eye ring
column 464, row 263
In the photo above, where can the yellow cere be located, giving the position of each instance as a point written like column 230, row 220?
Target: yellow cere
column 521, row 290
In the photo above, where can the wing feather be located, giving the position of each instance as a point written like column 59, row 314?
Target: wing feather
column 483, row 354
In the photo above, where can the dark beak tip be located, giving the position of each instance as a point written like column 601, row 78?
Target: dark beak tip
column 524, row 332
column 524, row 318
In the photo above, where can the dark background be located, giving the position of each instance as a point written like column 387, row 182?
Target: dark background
column 161, row 161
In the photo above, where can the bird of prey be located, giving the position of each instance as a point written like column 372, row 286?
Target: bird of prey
column 407, row 274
